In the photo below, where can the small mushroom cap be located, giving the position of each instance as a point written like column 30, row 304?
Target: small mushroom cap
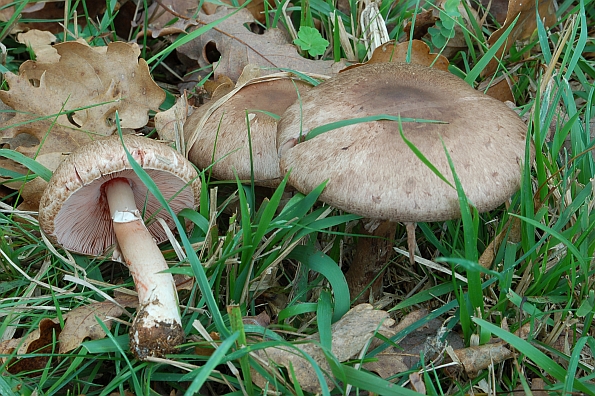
column 373, row 173
column 224, row 142
column 74, row 211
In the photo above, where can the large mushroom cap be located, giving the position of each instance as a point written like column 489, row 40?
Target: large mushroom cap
column 373, row 173
column 74, row 211
column 223, row 140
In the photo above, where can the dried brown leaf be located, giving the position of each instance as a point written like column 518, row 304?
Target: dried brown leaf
column 86, row 86
column 40, row 42
column 477, row 358
column 397, row 52
column 81, row 323
column 524, row 28
column 39, row 341
column 417, row 383
column 498, row 9
column 423, row 21
column 426, row 339
column 349, row 335
column 262, row 319
column 162, row 13
column 231, row 45
column 40, row 13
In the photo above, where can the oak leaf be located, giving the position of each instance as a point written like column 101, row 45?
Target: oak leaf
column 82, row 323
column 349, row 335
column 524, row 27
column 231, row 45
column 40, row 41
column 169, row 17
column 397, row 52
column 39, row 341
column 47, row 15
column 64, row 104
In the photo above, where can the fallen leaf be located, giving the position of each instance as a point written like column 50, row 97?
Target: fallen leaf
column 256, row 8
column 83, row 77
column 68, row 103
column 262, row 319
column 489, row 254
column 417, row 383
column 498, row 88
column 524, row 28
column 230, row 46
column 476, row 358
column 42, row 11
column 82, row 323
column 498, row 9
column 349, row 335
column 427, row 339
column 161, row 14
column 183, row 282
column 40, row 42
column 39, row 341
column 393, row 52
column 218, row 87
column 423, row 21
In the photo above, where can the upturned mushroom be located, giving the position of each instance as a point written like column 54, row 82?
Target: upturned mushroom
column 223, row 141
column 370, row 169
column 92, row 201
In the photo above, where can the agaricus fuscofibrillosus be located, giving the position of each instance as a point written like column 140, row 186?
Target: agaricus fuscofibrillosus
column 94, row 199
column 372, row 172
column 223, row 142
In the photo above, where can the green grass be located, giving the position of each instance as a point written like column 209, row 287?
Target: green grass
column 246, row 254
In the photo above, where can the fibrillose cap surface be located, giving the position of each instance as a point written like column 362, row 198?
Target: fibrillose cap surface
column 224, row 142
column 74, row 211
column 373, row 173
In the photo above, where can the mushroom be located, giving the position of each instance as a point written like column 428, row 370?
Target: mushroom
column 372, row 172
column 223, row 141
column 92, row 201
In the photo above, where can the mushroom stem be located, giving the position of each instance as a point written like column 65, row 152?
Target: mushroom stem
column 371, row 255
column 157, row 328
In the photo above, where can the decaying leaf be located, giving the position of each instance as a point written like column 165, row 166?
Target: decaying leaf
column 397, row 52
column 231, row 45
column 262, row 319
column 81, row 323
column 524, row 27
column 40, row 13
column 423, row 21
column 498, row 88
column 476, row 358
column 426, row 340
column 417, row 383
column 40, row 42
column 161, row 14
column 39, row 341
column 82, row 91
column 60, row 106
column 489, row 254
column 497, row 8
column 349, row 335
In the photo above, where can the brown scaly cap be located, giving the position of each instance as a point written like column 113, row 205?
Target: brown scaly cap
column 73, row 210
column 226, row 132
column 373, row 173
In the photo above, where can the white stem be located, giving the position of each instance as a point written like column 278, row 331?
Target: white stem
column 157, row 327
